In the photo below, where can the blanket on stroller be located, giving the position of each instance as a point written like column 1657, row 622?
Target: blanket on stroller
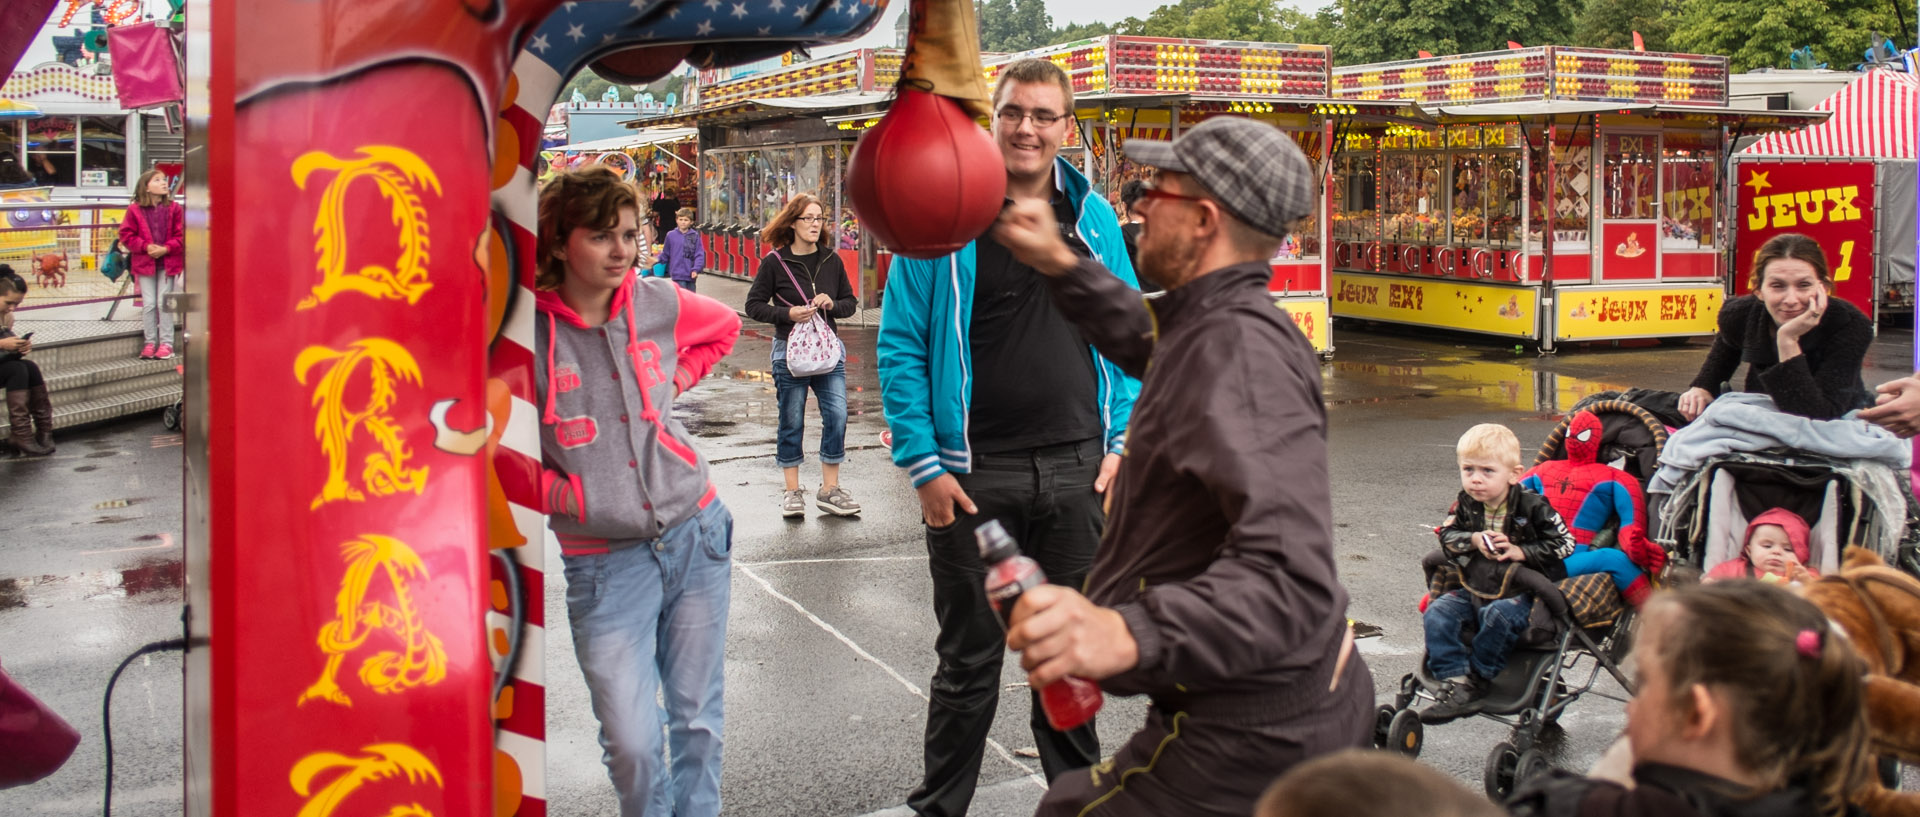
column 1742, row 422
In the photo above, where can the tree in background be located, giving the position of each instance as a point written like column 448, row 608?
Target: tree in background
column 591, row 86
column 1611, row 23
column 1255, row 20
column 1758, row 33
column 1382, row 30
column 1014, row 25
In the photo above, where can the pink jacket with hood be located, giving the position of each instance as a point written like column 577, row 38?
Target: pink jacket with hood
column 135, row 235
column 608, row 435
column 1797, row 533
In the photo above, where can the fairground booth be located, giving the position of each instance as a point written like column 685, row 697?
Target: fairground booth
column 652, row 156
column 1559, row 194
column 1848, row 182
column 768, row 136
column 1153, row 88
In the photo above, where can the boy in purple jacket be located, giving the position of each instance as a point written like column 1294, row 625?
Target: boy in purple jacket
column 685, row 256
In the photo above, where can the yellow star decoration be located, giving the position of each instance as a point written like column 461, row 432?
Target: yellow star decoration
column 1759, row 182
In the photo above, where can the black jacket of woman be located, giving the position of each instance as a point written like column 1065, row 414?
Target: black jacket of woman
column 1822, row 382
column 773, row 293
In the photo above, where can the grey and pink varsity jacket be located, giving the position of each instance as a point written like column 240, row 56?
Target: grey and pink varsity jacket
column 607, row 431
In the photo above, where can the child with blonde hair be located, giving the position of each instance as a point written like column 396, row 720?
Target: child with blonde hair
column 1507, row 545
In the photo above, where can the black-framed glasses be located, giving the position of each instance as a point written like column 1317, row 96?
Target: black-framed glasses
column 1011, row 116
column 811, row 219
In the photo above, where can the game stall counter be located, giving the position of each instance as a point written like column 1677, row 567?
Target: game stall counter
column 1558, row 194
column 1849, row 183
column 1153, row 88
column 766, row 137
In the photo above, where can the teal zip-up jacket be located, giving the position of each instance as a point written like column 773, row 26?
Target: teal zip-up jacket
column 926, row 362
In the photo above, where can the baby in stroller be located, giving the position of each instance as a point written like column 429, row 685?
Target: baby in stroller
column 1776, row 549
column 1504, row 546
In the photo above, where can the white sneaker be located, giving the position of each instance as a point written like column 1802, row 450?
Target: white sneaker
column 837, row 501
column 793, row 504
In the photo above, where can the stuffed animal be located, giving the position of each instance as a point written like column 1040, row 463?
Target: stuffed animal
column 51, row 270
column 1879, row 608
column 1589, row 496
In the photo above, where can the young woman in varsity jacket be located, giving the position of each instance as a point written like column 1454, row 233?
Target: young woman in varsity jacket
column 646, row 543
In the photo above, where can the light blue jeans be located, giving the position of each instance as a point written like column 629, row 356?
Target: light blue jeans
column 648, row 618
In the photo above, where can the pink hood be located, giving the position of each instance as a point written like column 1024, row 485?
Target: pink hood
column 1798, row 533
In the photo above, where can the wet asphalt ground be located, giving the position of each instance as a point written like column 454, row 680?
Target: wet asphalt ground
column 830, row 643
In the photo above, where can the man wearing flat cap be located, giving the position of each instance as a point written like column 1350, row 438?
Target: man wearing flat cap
column 1214, row 591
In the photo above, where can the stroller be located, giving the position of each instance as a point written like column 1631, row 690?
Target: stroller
column 1703, row 515
column 1575, row 634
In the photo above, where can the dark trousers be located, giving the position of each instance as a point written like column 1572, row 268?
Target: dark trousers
column 1045, row 499
column 20, row 374
column 1217, row 763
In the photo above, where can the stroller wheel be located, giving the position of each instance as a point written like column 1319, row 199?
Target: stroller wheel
column 1382, row 721
column 1503, row 766
column 170, row 417
column 1532, row 762
column 1405, row 734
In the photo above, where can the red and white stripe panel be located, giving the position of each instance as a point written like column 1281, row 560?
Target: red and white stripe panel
column 1872, row 119
column 522, row 709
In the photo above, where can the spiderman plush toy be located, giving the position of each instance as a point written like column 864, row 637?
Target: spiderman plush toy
column 1589, row 495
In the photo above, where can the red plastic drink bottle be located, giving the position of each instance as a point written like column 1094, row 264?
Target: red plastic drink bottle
column 1071, row 701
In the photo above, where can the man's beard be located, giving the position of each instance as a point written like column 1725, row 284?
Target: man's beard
column 1166, row 261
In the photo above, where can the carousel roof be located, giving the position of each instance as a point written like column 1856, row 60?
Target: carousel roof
column 1872, row 118
column 651, row 136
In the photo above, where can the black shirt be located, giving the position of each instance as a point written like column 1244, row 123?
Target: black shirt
column 664, row 208
column 1034, row 382
column 773, row 292
column 1130, row 233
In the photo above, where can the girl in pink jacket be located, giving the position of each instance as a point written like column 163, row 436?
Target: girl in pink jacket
column 154, row 235
column 646, row 542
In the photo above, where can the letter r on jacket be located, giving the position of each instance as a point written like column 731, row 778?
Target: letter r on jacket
column 646, row 358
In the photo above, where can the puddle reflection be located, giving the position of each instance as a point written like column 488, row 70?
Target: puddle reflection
column 1507, row 384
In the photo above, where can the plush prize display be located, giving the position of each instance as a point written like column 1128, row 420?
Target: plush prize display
column 1879, row 609
column 928, row 179
column 1590, row 495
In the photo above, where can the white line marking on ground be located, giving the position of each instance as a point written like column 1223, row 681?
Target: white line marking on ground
column 861, row 651
column 920, row 558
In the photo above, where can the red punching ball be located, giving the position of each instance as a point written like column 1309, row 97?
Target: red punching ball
column 927, row 179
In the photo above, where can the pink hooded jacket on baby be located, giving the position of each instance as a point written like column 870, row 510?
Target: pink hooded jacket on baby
column 1797, row 533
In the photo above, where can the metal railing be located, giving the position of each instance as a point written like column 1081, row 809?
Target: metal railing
column 59, row 247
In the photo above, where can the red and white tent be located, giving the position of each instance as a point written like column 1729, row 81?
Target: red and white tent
column 1872, row 119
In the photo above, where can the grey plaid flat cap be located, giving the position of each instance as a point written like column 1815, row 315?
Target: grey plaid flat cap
column 1252, row 168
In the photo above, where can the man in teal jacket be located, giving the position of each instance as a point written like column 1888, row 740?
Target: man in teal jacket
column 1000, row 409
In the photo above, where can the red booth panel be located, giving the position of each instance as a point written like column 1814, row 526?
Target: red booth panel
column 1295, row 276
column 1689, row 265
column 850, row 259
column 1566, row 268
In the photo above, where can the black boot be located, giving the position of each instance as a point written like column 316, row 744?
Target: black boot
column 20, row 426
column 41, row 404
